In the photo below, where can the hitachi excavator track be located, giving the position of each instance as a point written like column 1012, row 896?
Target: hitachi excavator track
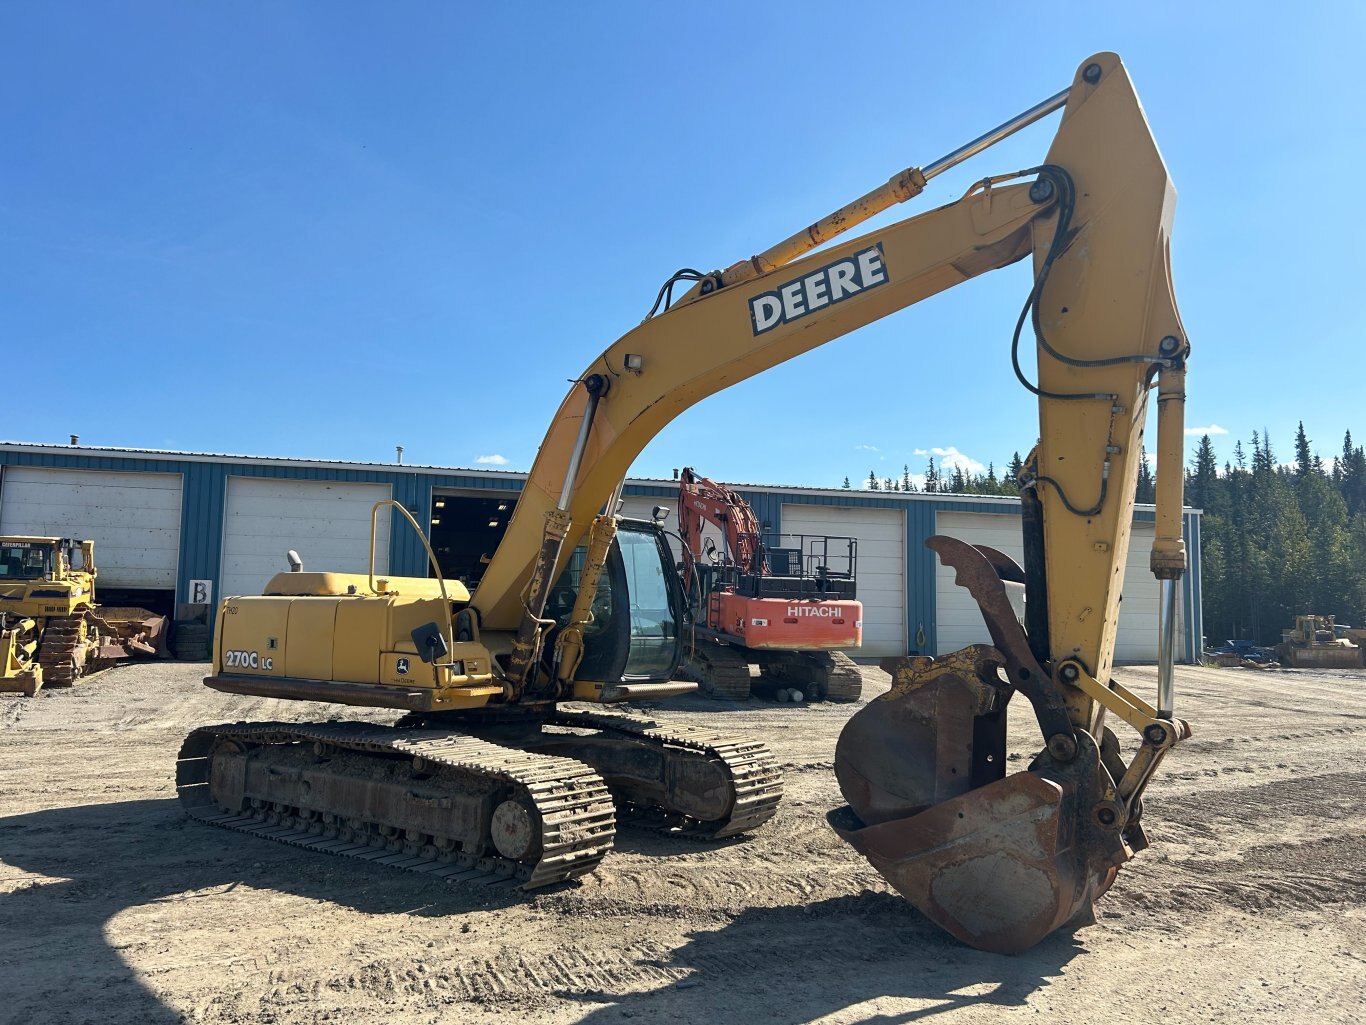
column 820, row 675
column 748, row 765
column 720, row 671
column 429, row 801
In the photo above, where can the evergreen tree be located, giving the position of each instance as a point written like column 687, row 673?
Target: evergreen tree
column 1304, row 464
column 1201, row 481
column 1146, row 489
column 1276, row 541
column 1014, row 468
column 846, row 485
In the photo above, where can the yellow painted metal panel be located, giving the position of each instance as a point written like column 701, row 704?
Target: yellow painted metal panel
column 358, row 640
column 312, row 622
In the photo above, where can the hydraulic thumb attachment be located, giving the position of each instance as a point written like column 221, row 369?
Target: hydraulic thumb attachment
column 998, row 861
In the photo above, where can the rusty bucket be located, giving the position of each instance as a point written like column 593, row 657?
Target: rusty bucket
column 997, row 861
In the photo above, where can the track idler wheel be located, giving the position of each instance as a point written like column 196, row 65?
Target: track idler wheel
column 997, row 861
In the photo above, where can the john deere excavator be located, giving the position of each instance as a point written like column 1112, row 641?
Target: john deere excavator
column 487, row 774
column 51, row 630
column 788, row 608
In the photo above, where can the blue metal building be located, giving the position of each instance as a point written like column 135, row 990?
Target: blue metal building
column 174, row 522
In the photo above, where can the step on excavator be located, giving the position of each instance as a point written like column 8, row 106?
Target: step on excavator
column 785, row 603
column 489, row 775
column 51, row 630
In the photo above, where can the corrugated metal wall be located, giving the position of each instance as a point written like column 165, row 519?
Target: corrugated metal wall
column 206, row 489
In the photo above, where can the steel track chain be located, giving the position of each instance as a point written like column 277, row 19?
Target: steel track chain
column 720, row 670
column 61, row 638
column 575, row 807
column 754, row 774
column 844, row 679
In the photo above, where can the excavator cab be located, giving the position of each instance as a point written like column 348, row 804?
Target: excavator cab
column 633, row 634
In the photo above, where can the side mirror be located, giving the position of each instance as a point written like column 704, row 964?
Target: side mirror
column 431, row 643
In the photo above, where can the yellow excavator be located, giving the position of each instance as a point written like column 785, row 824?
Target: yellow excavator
column 487, row 775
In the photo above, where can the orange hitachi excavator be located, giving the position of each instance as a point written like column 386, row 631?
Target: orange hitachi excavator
column 790, row 607
column 489, row 775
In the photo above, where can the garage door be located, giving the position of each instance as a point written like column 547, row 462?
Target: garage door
column 326, row 522
column 881, row 537
column 960, row 621
column 133, row 518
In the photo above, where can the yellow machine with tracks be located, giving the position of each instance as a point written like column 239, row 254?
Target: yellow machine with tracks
column 487, row 774
column 51, row 630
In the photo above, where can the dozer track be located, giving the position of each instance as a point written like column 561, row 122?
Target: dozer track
column 454, row 806
column 63, row 651
column 747, row 766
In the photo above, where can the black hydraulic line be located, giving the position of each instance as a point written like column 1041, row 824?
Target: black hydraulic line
column 1036, row 576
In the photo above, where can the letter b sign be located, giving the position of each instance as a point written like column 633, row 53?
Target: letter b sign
column 201, row 592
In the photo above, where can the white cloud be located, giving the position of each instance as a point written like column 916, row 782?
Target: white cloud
column 866, row 448
column 950, row 458
column 1195, row 432
column 921, row 452
column 493, row 460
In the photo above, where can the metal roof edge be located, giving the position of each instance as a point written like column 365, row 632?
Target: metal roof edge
column 795, row 490
column 172, row 455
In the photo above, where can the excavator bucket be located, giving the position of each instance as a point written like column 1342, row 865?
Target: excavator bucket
column 997, row 861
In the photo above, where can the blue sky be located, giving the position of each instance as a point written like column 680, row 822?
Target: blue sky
column 323, row 230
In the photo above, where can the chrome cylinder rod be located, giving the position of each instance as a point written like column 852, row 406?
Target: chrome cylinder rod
column 596, row 386
column 991, row 138
column 898, row 189
column 1166, row 649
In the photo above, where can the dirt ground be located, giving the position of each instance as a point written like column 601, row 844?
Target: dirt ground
column 1249, row 907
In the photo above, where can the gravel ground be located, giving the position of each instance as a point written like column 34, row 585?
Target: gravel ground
column 1249, row 907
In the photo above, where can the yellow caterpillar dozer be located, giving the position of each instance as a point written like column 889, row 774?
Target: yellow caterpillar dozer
column 51, row 630
column 488, row 776
column 1317, row 642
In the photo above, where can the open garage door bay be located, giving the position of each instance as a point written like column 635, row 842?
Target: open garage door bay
column 326, row 522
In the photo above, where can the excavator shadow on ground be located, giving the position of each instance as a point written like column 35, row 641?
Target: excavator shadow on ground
column 802, row 963
column 829, row 955
column 101, row 860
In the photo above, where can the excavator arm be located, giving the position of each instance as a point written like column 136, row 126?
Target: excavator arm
column 702, row 500
column 997, row 860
